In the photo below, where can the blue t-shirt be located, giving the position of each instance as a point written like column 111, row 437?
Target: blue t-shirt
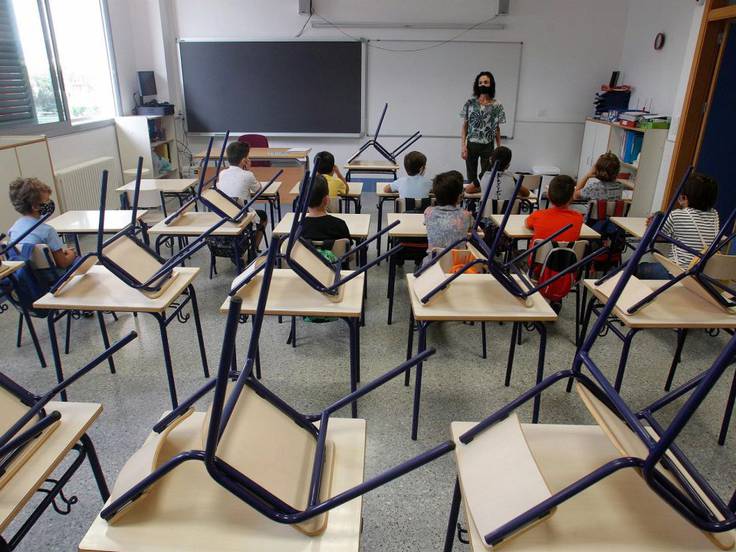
column 417, row 186
column 42, row 234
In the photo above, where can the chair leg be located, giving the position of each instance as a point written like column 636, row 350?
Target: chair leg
column 34, row 338
column 67, row 337
column 19, row 341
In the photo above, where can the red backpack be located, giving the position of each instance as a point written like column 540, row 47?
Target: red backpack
column 551, row 259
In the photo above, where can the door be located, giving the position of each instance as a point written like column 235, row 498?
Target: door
column 587, row 149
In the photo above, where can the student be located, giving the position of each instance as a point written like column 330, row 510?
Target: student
column 415, row 185
column 503, row 188
column 238, row 182
column 602, row 177
column 695, row 225
column 446, row 222
column 32, row 199
column 325, row 162
column 319, row 225
column 546, row 222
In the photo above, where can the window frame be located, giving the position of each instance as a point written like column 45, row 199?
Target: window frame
column 60, row 128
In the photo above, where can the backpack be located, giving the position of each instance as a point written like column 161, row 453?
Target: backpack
column 559, row 258
column 28, row 287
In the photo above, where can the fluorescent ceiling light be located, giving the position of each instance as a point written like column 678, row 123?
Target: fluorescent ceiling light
column 369, row 25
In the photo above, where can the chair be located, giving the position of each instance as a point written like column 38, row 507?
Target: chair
column 412, row 249
column 373, row 142
column 255, row 141
column 496, row 453
column 612, row 237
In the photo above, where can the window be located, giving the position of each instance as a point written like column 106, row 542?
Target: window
column 55, row 65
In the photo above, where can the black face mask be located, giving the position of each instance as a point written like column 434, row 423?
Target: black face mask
column 47, row 208
column 484, row 90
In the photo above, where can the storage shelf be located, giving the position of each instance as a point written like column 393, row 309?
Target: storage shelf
column 630, row 166
column 160, row 143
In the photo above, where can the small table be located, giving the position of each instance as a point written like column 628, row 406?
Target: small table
column 476, row 298
column 214, row 520
column 382, row 197
column 355, row 189
column 634, row 226
column 371, row 167
column 411, row 226
column 87, row 222
column 100, row 291
column 289, row 295
column 268, row 154
column 180, row 188
column 517, row 230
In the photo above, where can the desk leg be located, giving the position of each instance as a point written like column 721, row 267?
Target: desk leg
column 278, row 205
column 51, row 323
column 198, row 325
column 391, row 287
column 483, row 339
column 624, row 358
column 76, row 245
column 94, row 463
column 161, row 319
column 542, row 329
column 409, row 345
column 728, row 412
column 31, row 330
column 452, row 522
column 681, row 335
column 105, row 339
column 354, row 327
column 380, row 225
column 422, row 345
column 515, row 329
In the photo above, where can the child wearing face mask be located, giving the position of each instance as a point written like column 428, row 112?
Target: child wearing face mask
column 32, row 199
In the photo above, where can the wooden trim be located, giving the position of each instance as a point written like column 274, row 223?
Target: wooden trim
column 720, row 14
column 22, row 142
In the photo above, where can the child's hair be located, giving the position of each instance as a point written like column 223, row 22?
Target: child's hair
column 325, row 161
column 447, row 187
column 561, row 189
column 414, row 162
column 607, row 167
column 320, row 190
column 701, row 192
column 502, row 154
column 236, row 152
column 476, row 86
column 25, row 194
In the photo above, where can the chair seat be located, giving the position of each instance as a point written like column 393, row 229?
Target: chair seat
column 618, row 514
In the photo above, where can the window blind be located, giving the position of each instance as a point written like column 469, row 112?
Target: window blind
column 16, row 97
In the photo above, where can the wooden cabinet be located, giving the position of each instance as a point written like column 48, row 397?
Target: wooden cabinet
column 595, row 143
column 148, row 137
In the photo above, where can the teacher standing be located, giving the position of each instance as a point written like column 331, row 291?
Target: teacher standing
column 482, row 115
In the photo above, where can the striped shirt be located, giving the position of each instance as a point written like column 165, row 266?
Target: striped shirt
column 696, row 229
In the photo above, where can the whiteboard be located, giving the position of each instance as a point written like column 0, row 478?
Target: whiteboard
column 426, row 90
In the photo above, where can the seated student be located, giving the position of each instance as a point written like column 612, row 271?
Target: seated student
column 695, row 224
column 32, row 199
column 319, row 224
column 546, row 222
column 503, row 188
column 415, row 185
column 239, row 183
column 446, row 222
column 602, row 177
column 326, row 167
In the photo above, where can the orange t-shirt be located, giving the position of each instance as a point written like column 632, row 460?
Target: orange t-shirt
column 546, row 222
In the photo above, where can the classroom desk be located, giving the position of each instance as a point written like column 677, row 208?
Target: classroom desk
column 382, row 197
column 371, row 167
column 9, row 267
column 617, row 514
column 214, row 520
column 100, row 291
column 355, row 189
column 76, row 418
column 358, row 224
column 267, row 154
column 87, row 222
column 517, row 230
column 476, row 298
column 634, row 226
column 411, row 226
column 289, row 295
column 180, row 188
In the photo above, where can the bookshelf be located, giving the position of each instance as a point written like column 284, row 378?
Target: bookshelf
column 151, row 137
column 641, row 163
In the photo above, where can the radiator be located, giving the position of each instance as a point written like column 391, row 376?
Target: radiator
column 78, row 186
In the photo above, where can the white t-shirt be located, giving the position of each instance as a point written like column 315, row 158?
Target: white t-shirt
column 503, row 187
column 238, row 184
column 417, row 186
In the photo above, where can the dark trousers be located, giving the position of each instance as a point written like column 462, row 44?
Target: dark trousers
column 477, row 151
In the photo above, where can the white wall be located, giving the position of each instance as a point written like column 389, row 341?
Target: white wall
column 567, row 54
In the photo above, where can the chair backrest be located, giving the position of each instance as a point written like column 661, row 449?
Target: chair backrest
column 335, row 205
column 338, row 247
column 218, row 201
column 255, row 141
column 721, row 267
column 41, row 257
column 602, row 209
column 137, row 261
column 313, row 264
column 496, row 207
column 412, row 205
column 531, row 182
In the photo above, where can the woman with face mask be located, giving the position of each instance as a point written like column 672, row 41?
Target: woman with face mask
column 482, row 115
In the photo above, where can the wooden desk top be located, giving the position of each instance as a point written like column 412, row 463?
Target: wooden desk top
column 516, row 229
column 273, row 189
column 478, row 297
column 635, row 518
column 411, row 225
column 677, row 307
column 381, row 193
column 75, row 420
column 193, row 223
column 634, row 226
column 99, row 290
column 166, row 185
column 371, row 166
column 8, row 267
column 354, row 189
column 86, row 222
column 358, row 224
column 261, row 153
column 290, row 295
column 188, row 512
column 532, row 197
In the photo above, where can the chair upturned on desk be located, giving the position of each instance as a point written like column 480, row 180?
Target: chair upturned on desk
column 74, row 223
column 289, row 295
column 188, row 511
column 382, row 167
column 100, row 291
column 180, row 188
column 476, row 298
